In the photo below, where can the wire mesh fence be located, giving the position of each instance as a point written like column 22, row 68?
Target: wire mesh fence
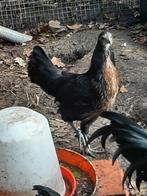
column 24, row 14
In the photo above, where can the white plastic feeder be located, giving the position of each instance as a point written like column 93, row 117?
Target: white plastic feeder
column 27, row 152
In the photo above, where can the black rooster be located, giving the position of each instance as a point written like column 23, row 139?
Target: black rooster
column 83, row 96
column 132, row 143
column 44, row 191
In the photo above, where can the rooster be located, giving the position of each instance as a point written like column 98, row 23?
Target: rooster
column 132, row 144
column 44, row 191
column 81, row 97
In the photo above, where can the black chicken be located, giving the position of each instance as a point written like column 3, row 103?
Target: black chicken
column 45, row 191
column 83, row 96
column 132, row 143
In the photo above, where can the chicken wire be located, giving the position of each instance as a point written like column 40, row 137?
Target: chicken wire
column 25, row 14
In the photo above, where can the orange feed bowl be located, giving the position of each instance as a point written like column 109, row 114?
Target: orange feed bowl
column 75, row 159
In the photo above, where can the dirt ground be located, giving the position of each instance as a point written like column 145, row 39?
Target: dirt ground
column 75, row 50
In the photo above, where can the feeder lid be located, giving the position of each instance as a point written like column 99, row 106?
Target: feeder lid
column 27, row 152
column 20, row 119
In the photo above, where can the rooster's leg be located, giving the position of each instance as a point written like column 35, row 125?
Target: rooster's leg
column 81, row 137
column 92, row 150
column 85, row 125
column 84, row 149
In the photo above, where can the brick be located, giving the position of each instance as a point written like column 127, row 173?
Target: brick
column 109, row 178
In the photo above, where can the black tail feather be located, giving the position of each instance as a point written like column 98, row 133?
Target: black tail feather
column 100, row 132
column 132, row 143
column 45, row 191
column 119, row 119
column 42, row 71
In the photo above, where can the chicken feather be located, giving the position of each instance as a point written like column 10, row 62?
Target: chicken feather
column 132, row 144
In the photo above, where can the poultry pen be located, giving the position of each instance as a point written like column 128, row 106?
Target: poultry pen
column 72, row 51
column 20, row 14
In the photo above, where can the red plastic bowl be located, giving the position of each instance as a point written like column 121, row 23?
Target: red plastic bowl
column 70, row 181
column 77, row 160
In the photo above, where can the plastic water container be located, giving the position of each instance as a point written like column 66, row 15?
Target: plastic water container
column 27, row 153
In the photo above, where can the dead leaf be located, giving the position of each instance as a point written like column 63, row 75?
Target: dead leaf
column 123, row 89
column 8, row 61
column 54, row 24
column 11, row 67
column 26, row 52
column 23, row 44
column 103, row 26
column 41, row 40
column 58, row 62
column 56, row 27
column 20, row 61
column 3, row 56
column 22, row 76
column 43, row 28
column 69, row 34
column 90, row 25
column 37, row 100
column 74, row 26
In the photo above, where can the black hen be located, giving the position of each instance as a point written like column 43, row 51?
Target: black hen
column 132, row 143
column 83, row 96
column 44, row 191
